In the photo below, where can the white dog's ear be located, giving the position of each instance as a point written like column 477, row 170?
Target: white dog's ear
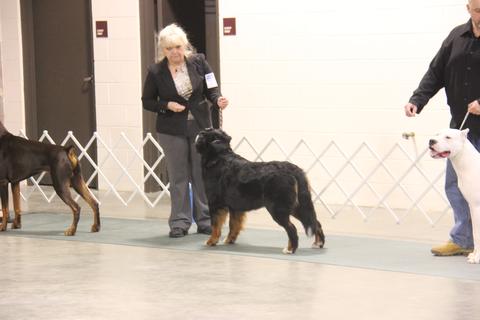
column 465, row 133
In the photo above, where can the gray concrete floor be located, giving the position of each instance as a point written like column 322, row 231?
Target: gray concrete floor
column 51, row 279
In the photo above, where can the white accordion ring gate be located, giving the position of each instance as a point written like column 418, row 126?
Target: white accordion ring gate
column 396, row 181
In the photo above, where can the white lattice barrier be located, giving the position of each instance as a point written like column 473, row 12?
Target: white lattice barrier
column 122, row 168
column 360, row 178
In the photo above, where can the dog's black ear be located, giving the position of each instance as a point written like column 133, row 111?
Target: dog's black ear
column 200, row 144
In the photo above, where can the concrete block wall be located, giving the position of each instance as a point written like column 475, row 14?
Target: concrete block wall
column 118, row 85
column 325, row 70
column 12, row 69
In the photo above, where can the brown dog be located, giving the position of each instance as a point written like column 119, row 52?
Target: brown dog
column 21, row 158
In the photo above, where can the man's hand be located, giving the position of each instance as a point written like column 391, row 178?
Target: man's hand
column 410, row 110
column 474, row 107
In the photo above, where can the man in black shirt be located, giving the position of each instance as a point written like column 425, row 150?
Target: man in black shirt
column 456, row 67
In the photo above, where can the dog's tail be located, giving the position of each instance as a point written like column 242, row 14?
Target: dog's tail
column 305, row 212
column 72, row 157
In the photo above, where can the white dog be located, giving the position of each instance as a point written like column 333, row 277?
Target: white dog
column 453, row 144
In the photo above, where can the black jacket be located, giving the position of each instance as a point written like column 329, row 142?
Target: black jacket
column 457, row 68
column 159, row 89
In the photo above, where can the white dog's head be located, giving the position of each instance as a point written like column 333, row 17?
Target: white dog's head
column 447, row 143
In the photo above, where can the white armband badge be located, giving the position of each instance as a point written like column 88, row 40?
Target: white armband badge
column 210, row 80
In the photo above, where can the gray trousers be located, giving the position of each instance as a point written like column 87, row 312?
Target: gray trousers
column 184, row 167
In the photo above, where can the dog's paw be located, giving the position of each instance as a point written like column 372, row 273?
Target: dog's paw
column 211, row 242
column 317, row 245
column 474, row 257
column 287, row 251
column 228, row 240
column 16, row 225
column 69, row 232
column 3, row 227
column 95, row 228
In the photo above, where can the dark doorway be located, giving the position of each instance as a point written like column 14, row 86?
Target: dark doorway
column 190, row 15
column 200, row 21
column 58, row 68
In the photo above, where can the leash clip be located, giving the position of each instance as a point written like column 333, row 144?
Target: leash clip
column 408, row 135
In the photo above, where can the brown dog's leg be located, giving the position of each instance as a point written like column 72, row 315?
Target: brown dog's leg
column 6, row 215
column 218, row 219
column 63, row 192
column 17, row 223
column 70, row 231
column 81, row 187
column 237, row 219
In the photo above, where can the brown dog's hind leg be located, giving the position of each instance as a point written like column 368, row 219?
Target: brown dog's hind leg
column 6, row 214
column 81, row 187
column 237, row 219
column 70, row 231
column 17, row 223
column 218, row 219
column 63, row 191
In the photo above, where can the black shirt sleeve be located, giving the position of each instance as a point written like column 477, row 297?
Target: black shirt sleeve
column 433, row 80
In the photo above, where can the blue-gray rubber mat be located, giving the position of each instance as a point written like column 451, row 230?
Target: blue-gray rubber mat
column 358, row 252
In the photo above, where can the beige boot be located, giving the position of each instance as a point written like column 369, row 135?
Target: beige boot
column 450, row 249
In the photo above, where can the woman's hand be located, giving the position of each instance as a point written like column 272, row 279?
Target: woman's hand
column 222, row 102
column 175, row 107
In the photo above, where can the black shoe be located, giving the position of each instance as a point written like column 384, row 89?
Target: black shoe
column 177, row 233
column 205, row 230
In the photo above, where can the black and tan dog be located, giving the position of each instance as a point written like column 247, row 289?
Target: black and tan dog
column 235, row 185
column 21, row 158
